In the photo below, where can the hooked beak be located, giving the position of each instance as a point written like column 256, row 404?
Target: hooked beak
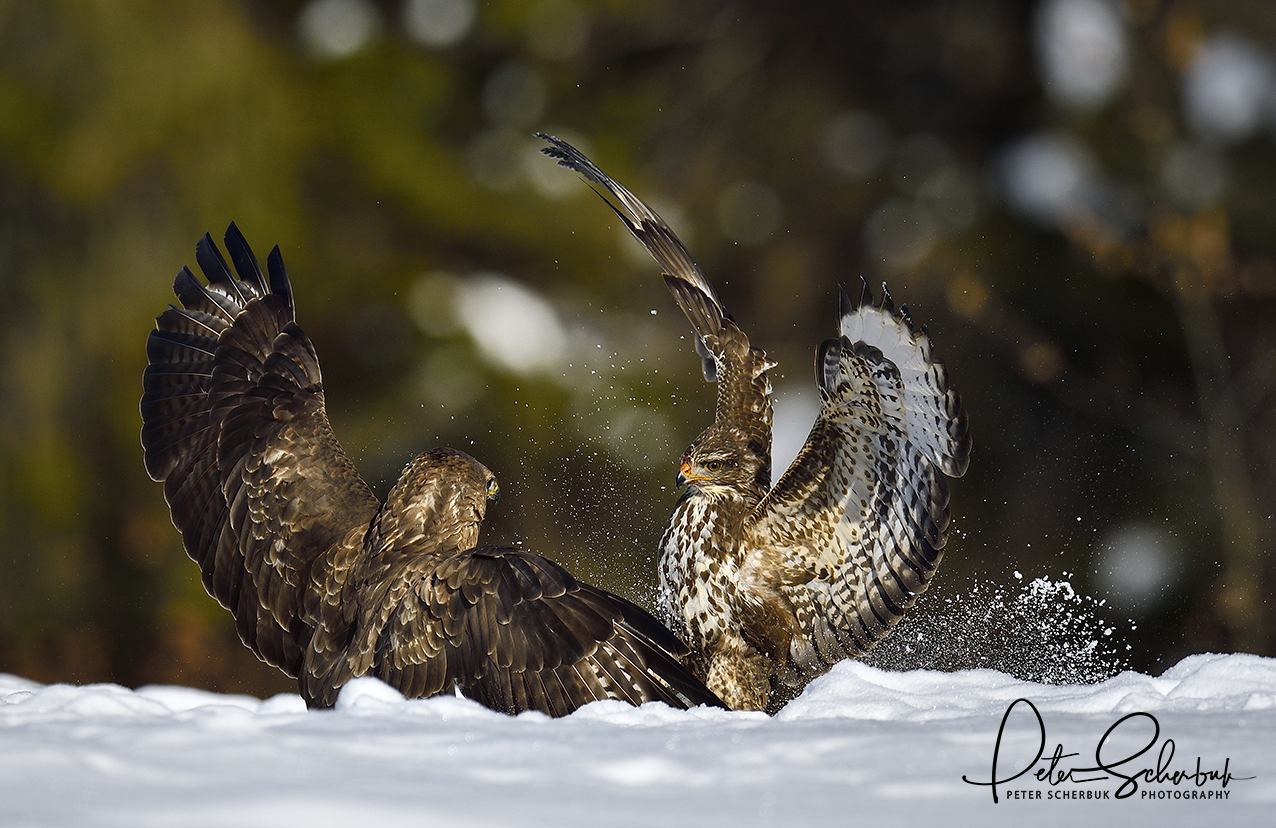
column 685, row 476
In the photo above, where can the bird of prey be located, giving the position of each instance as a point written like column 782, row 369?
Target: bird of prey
column 770, row 586
column 327, row 583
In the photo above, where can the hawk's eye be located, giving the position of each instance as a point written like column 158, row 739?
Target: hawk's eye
column 714, row 465
column 493, row 490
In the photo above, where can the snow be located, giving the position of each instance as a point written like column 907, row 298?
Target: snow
column 860, row 744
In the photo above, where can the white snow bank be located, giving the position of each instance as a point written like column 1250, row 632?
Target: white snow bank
column 1197, row 683
column 860, row 743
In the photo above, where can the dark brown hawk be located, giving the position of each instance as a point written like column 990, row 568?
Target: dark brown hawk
column 770, row 586
column 325, row 582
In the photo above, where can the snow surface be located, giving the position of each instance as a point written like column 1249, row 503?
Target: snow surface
column 861, row 744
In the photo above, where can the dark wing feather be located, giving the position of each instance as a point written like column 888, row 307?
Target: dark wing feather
column 856, row 527
column 686, row 281
column 515, row 632
column 744, row 390
column 234, row 424
column 642, row 221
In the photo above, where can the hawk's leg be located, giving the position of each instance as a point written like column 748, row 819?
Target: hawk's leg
column 739, row 674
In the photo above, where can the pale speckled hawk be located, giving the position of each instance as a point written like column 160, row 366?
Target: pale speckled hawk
column 770, row 586
column 325, row 582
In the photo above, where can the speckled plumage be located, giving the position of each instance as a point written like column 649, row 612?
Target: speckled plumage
column 770, row 586
column 325, row 582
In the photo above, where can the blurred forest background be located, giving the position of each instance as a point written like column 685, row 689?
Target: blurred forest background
column 1075, row 196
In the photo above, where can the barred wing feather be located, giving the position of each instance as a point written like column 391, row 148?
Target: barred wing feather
column 857, row 526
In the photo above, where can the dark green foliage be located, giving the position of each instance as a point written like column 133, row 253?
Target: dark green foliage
column 1117, row 370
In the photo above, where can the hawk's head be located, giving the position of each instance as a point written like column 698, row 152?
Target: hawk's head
column 725, row 462
column 443, row 491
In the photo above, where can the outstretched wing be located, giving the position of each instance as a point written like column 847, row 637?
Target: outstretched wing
column 744, row 390
column 515, row 632
column 701, row 303
column 856, row 527
column 234, row 424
